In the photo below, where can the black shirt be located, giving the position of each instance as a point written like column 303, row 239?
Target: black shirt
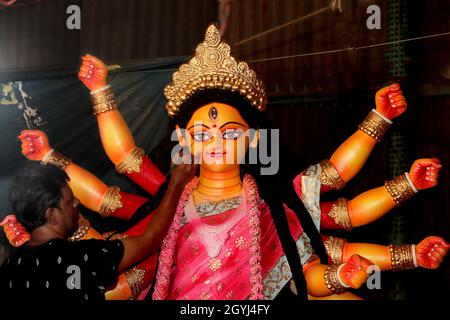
column 60, row 269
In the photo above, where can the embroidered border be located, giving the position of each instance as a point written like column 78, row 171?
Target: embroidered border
column 281, row 274
column 311, row 192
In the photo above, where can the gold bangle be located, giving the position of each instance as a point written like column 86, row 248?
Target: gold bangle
column 111, row 202
column 103, row 101
column 399, row 189
column 132, row 162
column 330, row 176
column 401, row 257
column 374, row 126
column 332, row 281
column 335, row 247
column 102, row 96
column 57, row 159
column 339, row 214
column 104, row 107
column 135, row 279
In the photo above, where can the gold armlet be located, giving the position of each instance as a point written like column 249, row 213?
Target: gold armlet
column 103, row 101
column 330, row 176
column 374, row 126
column 111, row 202
column 135, row 279
column 332, row 281
column 57, row 159
column 399, row 189
column 132, row 162
column 335, row 247
column 339, row 214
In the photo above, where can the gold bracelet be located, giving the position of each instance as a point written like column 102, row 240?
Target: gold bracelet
column 103, row 101
column 102, row 96
column 374, row 126
column 104, row 107
column 330, row 176
column 332, row 281
column 401, row 257
column 339, row 214
column 399, row 189
column 57, row 159
column 135, row 279
column 132, row 162
column 335, row 247
column 111, row 202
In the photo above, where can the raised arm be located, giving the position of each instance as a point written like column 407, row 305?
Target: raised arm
column 373, row 204
column 90, row 190
column 350, row 157
column 116, row 137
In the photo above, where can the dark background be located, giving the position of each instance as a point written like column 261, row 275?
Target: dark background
column 317, row 100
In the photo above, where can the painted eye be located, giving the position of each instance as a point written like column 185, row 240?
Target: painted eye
column 231, row 134
column 201, row 136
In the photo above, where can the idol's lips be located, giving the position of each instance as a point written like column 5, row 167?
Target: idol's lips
column 216, row 154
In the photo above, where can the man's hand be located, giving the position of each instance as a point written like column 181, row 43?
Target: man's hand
column 430, row 252
column 424, row 173
column 35, row 144
column 390, row 101
column 93, row 72
column 354, row 272
column 182, row 173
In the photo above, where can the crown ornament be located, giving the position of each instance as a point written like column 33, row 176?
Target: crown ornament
column 212, row 67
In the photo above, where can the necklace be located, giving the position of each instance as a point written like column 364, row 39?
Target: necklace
column 213, row 237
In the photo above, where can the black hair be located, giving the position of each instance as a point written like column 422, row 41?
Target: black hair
column 35, row 189
column 275, row 190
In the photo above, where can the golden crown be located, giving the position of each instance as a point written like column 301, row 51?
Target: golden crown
column 212, row 67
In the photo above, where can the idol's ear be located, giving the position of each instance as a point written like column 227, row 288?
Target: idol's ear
column 181, row 139
column 255, row 139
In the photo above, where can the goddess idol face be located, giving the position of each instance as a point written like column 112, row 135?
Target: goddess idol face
column 218, row 132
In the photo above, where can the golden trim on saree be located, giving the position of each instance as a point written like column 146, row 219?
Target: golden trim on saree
column 132, row 162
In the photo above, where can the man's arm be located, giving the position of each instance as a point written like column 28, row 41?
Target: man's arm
column 140, row 247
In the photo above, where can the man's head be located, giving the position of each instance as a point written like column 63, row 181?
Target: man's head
column 39, row 196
